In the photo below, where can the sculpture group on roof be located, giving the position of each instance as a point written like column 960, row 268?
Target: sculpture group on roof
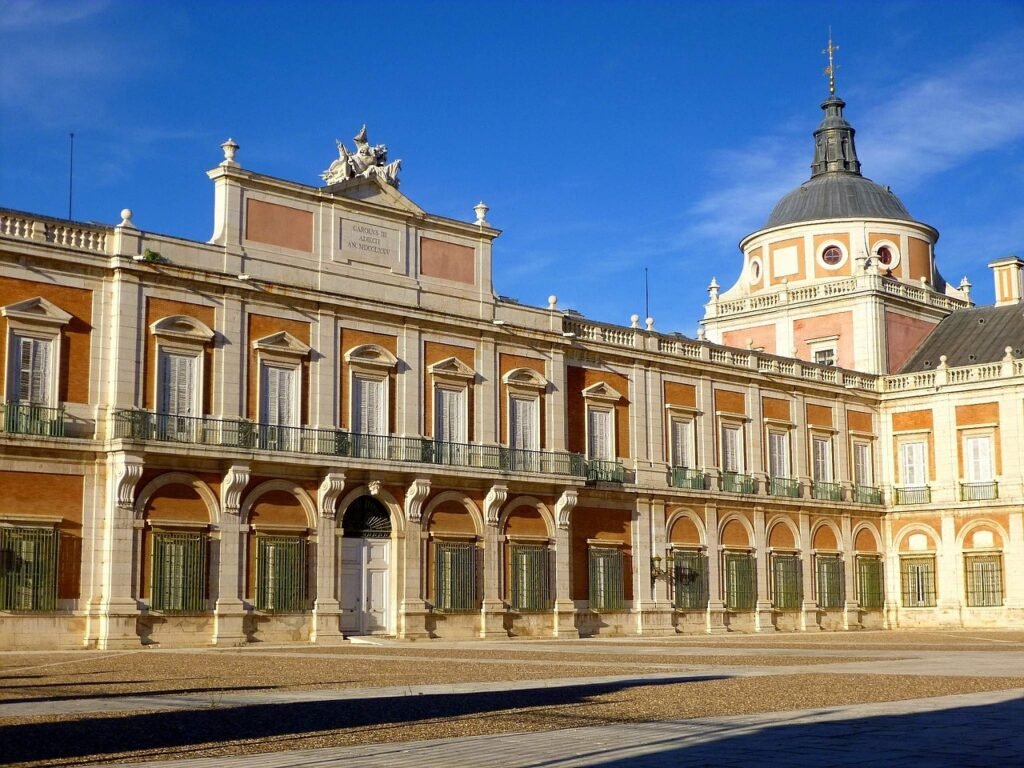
column 367, row 161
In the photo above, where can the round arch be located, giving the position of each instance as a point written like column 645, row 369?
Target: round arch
column 279, row 485
column 390, row 503
column 685, row 512
column 913, row 528
column 864, row 526
column 972, row 526
column 461, row 498
column 533, row 503
column 744, row 523
column 785, row 522
column 836, row 532
column 178, row 478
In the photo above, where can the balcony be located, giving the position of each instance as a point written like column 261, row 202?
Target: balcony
column 784, row 486
column 692, row 479
column 737, row 482
column 31, row 419
column 247, row 435
column 979, row 491
column 918, row 495
column 867, row 494
column 599, row 471
column 828, row 491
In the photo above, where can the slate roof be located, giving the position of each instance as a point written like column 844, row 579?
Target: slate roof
column 837, row 195
column 971, row 337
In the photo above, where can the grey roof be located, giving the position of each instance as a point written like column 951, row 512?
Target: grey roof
column 971, row 337
column 837, row 195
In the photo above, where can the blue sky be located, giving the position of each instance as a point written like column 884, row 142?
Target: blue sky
column 606, row 137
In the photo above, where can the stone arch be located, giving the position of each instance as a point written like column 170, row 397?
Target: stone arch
column 455, row 496
column 383, row 496
column 778, row 528
column 819, row 540
column 533, row 503
column 868, row 530
column 682, row 517
column 286, row 486
column 983, row 524
column 913, row 528
column 178, row 478
column 731, row 523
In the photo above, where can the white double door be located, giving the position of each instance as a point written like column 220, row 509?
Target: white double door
column 365, row 568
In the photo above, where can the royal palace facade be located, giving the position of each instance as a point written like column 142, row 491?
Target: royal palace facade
column 324, row 422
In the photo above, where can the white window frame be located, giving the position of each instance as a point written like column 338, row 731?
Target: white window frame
column 905, row 445
column 685, row 424
column 382, row 382
column 819, row 255
column 822, row 438
column 280, row 350
column 737, row 426
column 986, row 438
column 40, row 320
column 534, row 434
column 163, row 351
column 453, row 375
column 461, row 418
column 893, row 248
column 601, row 399
column 780, row 433
column 527, row 385
column 185, row 336
column 295, row 415
column 595, row 411
column 370, row 362
column 866, row 480
column 825, row 344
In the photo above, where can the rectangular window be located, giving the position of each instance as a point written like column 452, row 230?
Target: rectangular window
column 32, row 360
column 529, row 586
column 455, row 576
column 682, row 443
column 862, row 464
column 368, row 406
column 599, row 435
column 523, row 423
column 691, row 580
column 28, row 569
column 280, row 574
column 978, row 460
column 918, row 581
column 607, row 585
column 984, row 576
column 821, row 450
column 828, row 573
column 912, row 464
column 279, row 396
column 450, row 415
column 177, row 384
column 786, row 582
column 778, row 454
column 740, row 583
column 732, row 451
column 179, row 572
column 870, row 582
column 825, row 356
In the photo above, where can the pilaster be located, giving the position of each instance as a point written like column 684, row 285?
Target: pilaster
column 809, row 604
column 327, row 609
column 565, row 607
column 763, row 613
column 413, row 608
column 492, row 614
column 851, row 608
column 716, row 604
column 229, row 611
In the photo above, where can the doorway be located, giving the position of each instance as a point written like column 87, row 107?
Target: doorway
column 365, row 568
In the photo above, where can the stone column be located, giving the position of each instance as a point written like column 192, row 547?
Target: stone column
column 492, row 614
column 556, row 401
column 892, row 576
column 716, row 604
column 326, row 608
column 325, row 369
column 851, row 608
column 229, row 360
column 413, row 610
column 763, row 613
column 809, row 604
column 648, row 541
column 409, row 384
column 948, row 581
column 565, row 607
column 485, row 417
column 229, row 610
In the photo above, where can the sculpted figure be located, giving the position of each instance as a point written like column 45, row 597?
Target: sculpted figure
column 366, row 161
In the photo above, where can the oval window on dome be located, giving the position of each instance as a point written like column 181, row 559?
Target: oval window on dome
column 887, row 256
column 755, row 270
column 832, row 255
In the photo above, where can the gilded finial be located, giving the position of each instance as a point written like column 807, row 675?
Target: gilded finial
column 830, row 70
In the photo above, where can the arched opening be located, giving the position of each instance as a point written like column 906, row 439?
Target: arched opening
column 365, row 567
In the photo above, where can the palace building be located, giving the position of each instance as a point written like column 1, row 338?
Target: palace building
column 324, row 422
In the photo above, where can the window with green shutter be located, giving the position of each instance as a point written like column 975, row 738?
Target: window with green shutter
column 280, row 574
column 28, row 569
column 828, row 573
column 690, row 580
column 917, row 575
column 455, row 576
column 786, row 582
column 869, row 582
column 528, row 577
column 179, row 572
column 607, row 585
column 740, row 583
column 984, row 577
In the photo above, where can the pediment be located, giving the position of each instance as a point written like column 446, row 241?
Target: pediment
column 373, row 190
column 524, row 377
column 372, row 355
column 602, row 391
column 182, row 328
column 452, row 366
column 283, row 343
column 37, row 310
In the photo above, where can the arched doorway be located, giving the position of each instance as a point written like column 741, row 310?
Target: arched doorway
column 365, row 567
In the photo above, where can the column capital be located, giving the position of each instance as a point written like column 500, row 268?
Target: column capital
column 235, row 480
column 414, row 498
column 496, row 496
column 330, row 489
column 564, row 507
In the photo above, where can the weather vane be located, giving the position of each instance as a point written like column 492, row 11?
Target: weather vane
column 830, row 70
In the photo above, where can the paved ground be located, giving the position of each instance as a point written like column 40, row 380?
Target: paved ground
column 952, row 698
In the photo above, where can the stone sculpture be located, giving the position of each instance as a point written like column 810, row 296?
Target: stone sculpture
column 366, row 161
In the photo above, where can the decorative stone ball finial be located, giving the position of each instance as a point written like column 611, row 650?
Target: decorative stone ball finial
column 481, row 213
column 942, row 362
column 126, row 218
column 634, row 321
column 230, row 147
column 552, row 301
column 649, row 322
column 1008, row 358
column 701, row 333
column 713, row 289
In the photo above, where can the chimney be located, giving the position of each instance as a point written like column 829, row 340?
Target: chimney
column 1009, row 275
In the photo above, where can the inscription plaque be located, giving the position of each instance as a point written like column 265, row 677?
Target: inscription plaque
column 369, row 243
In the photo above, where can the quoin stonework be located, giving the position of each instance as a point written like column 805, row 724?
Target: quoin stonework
column 324, row 422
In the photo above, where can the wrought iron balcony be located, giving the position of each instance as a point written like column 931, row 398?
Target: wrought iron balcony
column 785, row 486
column 917, row 495
column 31, row 419
column 737, row 482
column 979, row 491
column 239, row 433
column 867, row 494
column 605, row 471
column 828, row 491
column 693, row 479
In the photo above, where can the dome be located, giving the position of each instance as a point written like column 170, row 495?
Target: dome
column 837, row 195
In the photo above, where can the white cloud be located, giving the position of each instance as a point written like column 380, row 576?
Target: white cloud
column 26, row 14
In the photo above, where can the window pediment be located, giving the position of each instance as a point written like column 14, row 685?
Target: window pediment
column 452, row 367
column 182, row 328
column 282, row 343
column 371, row 355
column 526, row 378
column 37, row 311
column 602, row 391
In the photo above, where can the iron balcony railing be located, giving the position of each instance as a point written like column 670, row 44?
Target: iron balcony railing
column 605, row 471
column 979, row 491
column 737, row 482
column 31, row 419
column 238, row 433
column 919, row 495
column 828, row 491
column 867, row 494
column 682, row 477
column 785, row 486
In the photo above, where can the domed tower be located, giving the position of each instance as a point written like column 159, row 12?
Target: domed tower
column 841, row 273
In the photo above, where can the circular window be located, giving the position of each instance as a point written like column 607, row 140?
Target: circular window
column 886, row 255
column 832, row 255
column 755, row 271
